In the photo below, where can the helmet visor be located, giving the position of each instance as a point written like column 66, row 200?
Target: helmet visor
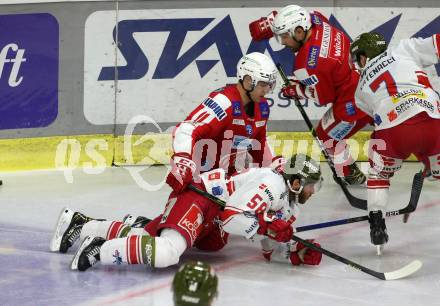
column 313, row 187
column 268, row 87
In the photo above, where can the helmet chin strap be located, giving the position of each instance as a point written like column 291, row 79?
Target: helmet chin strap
column 248, row 92
column 295, row 192
column 301, row 42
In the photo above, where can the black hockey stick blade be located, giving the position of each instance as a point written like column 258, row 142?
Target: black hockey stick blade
column 415, row 195
column 354, row 201
column 416, row 190
column 403, row 272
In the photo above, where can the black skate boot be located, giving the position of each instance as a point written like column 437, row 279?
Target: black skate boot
column 356, row 176
column 68, row 229
column 139, row 222
column 87, row 254
column 378, row 230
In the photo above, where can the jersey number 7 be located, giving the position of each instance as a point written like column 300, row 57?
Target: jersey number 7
column 386, row 78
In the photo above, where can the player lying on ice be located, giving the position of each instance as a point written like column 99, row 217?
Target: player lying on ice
column 260, row 205
column 395, row 90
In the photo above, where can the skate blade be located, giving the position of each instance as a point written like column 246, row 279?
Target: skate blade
column 84, row 244
column 379, row 249
column 64, row 219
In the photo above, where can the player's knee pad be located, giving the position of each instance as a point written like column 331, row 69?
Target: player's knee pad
column 434, row 163
column 169, row 246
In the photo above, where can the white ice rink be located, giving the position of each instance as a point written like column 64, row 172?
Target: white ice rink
column 30, row 275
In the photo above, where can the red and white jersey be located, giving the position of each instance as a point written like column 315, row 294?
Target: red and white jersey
column 250, row 192
column 323, row 64
column 219, row 131
column 394, row 87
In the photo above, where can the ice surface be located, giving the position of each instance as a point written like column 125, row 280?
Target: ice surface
column 31, row 275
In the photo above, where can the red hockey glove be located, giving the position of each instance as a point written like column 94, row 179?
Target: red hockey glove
column 278, row 229
column 260, row 29
column 294, row 90
column 305, row 255
column 182, row 170
column 278, row 164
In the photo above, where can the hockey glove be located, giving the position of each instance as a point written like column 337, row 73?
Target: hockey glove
column 261, row 29
column 297, row 90
column 278, row 229
column 305, row 255
column 182, row 170
column 278, row 164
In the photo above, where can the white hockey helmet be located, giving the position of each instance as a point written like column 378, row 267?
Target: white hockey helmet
column 259, row 67
column 289, row 18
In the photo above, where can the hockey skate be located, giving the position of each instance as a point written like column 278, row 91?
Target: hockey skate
column 356, row 176
column 139, row 222
column 378, row 230
column 87, row 254
column 68, row 230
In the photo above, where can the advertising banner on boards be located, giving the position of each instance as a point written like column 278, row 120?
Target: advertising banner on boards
column 29, row 55
column 167, row 61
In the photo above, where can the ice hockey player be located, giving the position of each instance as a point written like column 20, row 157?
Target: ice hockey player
column 395, row 90
column 259, row 204
column 228, row 129
column 195, row 284
column 323, row 72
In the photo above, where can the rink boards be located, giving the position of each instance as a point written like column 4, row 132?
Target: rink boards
column 75, row 75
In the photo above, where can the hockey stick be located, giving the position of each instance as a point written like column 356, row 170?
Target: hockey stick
column 397, row 274
column 354, row 201
column 416, row 189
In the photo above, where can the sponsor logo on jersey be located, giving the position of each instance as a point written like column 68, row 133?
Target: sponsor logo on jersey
column 408, row 93
column 350, row 109
column 249, row 129
column 260, row 123
column 252, row 227
column 284, row 195
column 377, row 119
column 325, row 41
column 264, row 109
column 338, row 45
column 217, row 190
column 192, row 221
column 241, row 142
column 238, row 121
column 236, row 108
column 214, row 176
column 279, row 214
column 392, row 115
column 217, row 109
column 269, row 194
column 312, row 59
column 341, row 130
column 310, row 81
column 316, row 19
column 266, row 191
column 411, row 101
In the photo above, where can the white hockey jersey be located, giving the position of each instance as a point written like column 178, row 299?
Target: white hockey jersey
column 394, row 87
column 252, row 191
